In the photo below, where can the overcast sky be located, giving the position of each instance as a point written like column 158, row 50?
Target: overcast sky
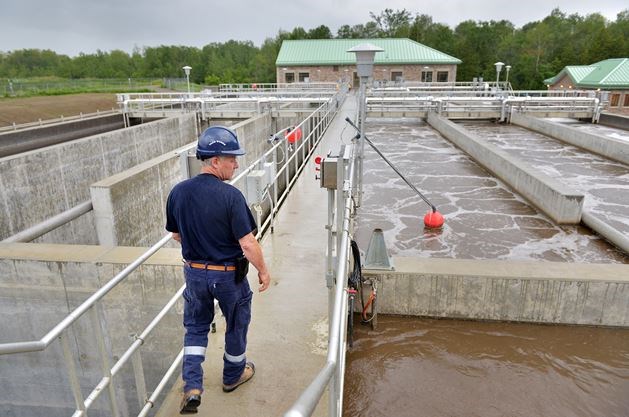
column 74, row 26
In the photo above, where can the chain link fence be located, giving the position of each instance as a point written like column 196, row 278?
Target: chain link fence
column 27, row 87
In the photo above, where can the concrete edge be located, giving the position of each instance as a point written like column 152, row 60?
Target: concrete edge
column 619, row 121
column 508, row 269
column 605, row 230
column 561, row 203
column 610, row 148
column 520, row 291
column 89, row 138
column 49, row 252
column 121, row 176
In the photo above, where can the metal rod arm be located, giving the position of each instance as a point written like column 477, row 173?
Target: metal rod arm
column 434, row 209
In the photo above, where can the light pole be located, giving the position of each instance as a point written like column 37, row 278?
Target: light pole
column 499, row 66
column 365, row 55
column 508, row 67
column 187, row 69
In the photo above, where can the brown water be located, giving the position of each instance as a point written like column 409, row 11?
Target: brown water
column 484, row 218
column 449, row 368
column 604, row 183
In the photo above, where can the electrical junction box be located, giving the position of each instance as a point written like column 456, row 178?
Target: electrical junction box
column 257, row 181
column 269, row 168
column 193, row 165
column 328, row 172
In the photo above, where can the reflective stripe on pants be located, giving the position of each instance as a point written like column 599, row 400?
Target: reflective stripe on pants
column 202, row 287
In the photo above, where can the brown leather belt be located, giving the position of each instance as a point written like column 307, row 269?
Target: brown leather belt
column 211, row 267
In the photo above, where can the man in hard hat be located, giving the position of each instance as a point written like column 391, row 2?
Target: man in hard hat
column 215, row 227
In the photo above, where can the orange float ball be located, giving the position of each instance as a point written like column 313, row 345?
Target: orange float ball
column 433, row 220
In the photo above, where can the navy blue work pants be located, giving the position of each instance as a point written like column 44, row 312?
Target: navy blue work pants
column 202, row 287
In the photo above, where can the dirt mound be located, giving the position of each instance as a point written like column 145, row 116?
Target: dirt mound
column 31, row 109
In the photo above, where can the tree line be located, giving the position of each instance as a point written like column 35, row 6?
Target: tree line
column 535, row 51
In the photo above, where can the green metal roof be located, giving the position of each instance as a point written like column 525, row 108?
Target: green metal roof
column 575, row 72
column 334, row 52
column 610, row 73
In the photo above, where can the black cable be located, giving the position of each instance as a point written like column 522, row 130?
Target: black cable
column 356, row 277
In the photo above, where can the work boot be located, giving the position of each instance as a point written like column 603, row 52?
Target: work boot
column 247, row 374
column 190, row 401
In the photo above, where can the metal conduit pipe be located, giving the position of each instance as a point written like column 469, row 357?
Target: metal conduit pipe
column 308, row 400
column 52, row 223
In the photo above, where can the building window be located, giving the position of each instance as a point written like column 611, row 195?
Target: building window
column 626, row 102
column 427, row 76
column 615, row 100
column 304, row 77
column 396, row 75
column 442, row 76
column 335, row 68
column 289, row 77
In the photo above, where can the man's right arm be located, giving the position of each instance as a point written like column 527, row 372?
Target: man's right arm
column 253, row 252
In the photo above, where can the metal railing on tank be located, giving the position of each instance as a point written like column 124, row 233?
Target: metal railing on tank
column 341, row 205
column 237, row 104
column 278, row 87
column 294, row 161
column 494, row 105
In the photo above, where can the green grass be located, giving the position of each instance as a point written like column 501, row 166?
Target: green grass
column 48, row 86
column 61, row 92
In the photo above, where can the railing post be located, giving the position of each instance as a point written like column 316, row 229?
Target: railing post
column 286, row 164
column 138, row 372
column 72, row 374
column 104, row 356
column 275, row 179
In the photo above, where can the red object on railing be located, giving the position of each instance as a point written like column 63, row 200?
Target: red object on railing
column 293, row 134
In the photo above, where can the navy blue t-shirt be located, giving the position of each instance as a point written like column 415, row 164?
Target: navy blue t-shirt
column 211, row 216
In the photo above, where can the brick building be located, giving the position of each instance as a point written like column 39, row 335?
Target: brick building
column 327, row 60
column 610, row 75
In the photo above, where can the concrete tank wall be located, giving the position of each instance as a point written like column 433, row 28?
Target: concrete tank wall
column 129, row 207
column 614, row 120
column 615, row 149
column 560, row 203
column 536, row 292
column 39, row 184
column 41, row 284
column 23, row 140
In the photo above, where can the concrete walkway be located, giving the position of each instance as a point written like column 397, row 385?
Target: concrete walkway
column 289, row 328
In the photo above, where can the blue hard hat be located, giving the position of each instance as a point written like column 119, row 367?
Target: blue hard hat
column 218, row 140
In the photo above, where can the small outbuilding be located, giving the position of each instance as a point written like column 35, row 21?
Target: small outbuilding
column 327, row 60
column 610, row 75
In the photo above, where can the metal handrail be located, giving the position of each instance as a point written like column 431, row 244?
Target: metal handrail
column 51, row 223
column 277, row 86
column 310, row 397
column 497, row 103
column 41, row 344
column 90, row 305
